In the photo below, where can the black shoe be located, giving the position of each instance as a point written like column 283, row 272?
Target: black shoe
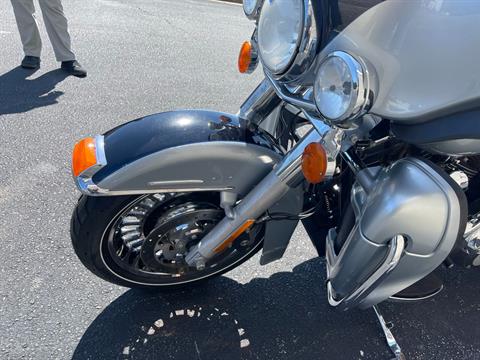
column 31, row 62
column 74, row 68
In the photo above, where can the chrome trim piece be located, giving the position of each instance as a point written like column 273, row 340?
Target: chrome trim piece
column 288, row 97
column 175, row 182
column 396, row 248
column 91, row 189
column 472, row 234
column 100, row 150
column 361, row 86
column 261, row 102
column 256, row 10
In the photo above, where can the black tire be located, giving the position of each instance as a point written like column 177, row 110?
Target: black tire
column 90, row 221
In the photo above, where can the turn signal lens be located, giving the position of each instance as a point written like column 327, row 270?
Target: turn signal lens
column 314, row 163
column 247, row 59
column 84, row 156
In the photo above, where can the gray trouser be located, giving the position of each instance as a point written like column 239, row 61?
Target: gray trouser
column 55, row 22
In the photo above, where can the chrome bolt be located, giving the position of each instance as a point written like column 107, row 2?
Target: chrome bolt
column 200, row 265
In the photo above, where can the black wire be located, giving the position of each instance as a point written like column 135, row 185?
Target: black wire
column 285, row 125
column 286, row 216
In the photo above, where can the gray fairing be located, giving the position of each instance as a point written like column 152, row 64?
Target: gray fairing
column 423, row 55
column 412, row 198
column 196, row 150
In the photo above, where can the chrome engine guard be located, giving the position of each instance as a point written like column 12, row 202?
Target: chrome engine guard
column 396, row 248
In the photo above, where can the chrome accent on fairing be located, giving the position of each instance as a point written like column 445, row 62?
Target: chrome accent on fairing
column 306, row 50
column 287, row 174
column 361, row 86
column 413, row 206
column 396, row 248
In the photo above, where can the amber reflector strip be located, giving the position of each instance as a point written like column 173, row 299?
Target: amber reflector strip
column 314, row 163
column 247, row 224
column 84, row 156
column 245, row 57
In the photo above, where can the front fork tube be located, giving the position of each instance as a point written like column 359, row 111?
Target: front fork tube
column 273, row 187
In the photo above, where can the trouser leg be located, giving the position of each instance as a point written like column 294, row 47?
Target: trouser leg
column 24, row 11
column 57, row 29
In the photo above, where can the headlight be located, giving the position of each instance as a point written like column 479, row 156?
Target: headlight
column 251, row 7
column 341, row 87
column 280, row 30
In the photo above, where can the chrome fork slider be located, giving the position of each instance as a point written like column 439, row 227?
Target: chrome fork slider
column 270, row 189
column 396, row 248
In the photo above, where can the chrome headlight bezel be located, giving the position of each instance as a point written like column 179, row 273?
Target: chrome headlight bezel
column 306, row 50
column 255, row 10
column 361, row 92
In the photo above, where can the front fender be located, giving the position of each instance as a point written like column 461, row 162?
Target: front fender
column 191, row 150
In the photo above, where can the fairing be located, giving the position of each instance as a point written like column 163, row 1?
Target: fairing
column 424, row 54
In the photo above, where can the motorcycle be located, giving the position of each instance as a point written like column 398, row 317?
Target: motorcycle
column 365, row 129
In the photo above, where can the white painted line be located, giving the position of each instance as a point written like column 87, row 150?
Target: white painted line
column 226, row 2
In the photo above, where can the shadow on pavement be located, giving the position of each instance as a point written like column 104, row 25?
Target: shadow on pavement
column 18, row 94
column 286, row 316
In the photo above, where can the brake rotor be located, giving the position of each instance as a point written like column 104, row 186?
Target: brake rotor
column 175, row 233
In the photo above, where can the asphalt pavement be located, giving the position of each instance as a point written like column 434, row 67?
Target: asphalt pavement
column 143, row 57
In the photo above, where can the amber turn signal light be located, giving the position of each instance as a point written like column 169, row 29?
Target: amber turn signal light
column 84, row 156
column 314, row 163
column 247, row 59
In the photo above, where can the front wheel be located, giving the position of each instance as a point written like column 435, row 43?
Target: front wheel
column 141, row 241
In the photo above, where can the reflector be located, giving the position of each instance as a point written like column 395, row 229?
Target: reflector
column 233, row 236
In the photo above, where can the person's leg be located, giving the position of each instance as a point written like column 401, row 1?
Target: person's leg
column 24, row 11
column 57, row 29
